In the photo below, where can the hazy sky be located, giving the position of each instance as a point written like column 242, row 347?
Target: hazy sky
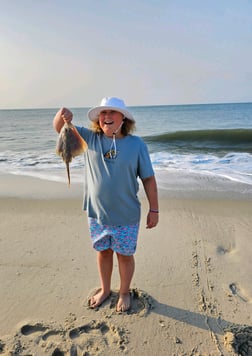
column 72, row 53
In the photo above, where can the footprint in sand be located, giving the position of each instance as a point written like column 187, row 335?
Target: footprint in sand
column 44, row 331
column 236, row 291
column 31, row 329
column 96, row 337
column 43, row 336
column 58, row 352
column 93, row 338
column 233, row 288
column 222, row 250
column 141, row 302
column 86, row 329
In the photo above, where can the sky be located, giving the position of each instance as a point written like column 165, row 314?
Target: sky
column 72, row 53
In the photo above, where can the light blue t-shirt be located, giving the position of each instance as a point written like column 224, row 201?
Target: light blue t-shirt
column 111, row 185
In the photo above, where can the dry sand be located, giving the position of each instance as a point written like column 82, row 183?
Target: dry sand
column 191, row 293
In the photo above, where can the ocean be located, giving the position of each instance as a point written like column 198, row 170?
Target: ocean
column 188, row 144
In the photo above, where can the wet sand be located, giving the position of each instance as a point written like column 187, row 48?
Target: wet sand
column 191, row 292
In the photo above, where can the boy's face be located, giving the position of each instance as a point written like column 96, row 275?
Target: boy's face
column 110, row 121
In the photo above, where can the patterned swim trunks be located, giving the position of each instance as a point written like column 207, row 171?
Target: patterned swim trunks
column 121, row 239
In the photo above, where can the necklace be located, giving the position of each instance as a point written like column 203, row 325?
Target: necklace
column 112, row 152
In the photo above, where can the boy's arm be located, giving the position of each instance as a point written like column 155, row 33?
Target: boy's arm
column 150, row 187
column 62, row 116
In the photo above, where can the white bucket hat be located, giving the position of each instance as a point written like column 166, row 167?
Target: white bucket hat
column 110, row 103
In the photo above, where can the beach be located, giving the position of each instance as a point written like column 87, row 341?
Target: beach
column 191, row 292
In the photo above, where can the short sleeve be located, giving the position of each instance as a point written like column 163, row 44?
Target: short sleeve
column 84, row 132
column 145, row 168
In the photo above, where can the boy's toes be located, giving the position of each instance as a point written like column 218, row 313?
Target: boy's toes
column 123, row 303
column 97, row 299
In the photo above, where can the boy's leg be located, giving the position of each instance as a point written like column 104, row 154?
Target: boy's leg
column 126, row 270
column 105, row 267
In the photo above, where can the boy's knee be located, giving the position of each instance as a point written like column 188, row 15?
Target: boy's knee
column 125, row 258
column 106, row 253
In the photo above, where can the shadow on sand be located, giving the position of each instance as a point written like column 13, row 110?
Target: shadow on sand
column 237, row 337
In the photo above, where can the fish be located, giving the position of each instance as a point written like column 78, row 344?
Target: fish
column 70, row 144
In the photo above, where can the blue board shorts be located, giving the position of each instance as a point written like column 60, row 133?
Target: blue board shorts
column 121, row 239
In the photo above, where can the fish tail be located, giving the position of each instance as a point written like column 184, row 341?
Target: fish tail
column 68, row 173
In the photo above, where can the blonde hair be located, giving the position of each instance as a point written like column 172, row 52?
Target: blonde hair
column 127, row 128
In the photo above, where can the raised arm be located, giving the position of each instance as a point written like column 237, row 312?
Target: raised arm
column 62, row 116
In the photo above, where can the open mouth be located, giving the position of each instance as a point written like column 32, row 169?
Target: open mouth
column 108, row 122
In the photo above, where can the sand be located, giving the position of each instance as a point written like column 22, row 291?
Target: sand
column 191, row 292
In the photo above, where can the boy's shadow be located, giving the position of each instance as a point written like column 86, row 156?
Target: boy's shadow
column 202, row 321
column 239, row 336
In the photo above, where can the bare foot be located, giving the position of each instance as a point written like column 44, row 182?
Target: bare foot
column 123, row 303
column 98, row 298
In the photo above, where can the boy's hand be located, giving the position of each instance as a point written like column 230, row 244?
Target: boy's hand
column 152, row 220
column 66, row 115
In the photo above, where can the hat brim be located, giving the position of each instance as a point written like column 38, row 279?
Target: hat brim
column 95, row 112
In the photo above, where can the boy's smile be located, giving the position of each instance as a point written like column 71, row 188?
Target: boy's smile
column 111, row 122
column 108, row 122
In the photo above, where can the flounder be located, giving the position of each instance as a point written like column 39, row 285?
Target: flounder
column 70, row 144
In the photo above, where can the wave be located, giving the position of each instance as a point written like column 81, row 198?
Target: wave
column 47, row 165
column 227, row 140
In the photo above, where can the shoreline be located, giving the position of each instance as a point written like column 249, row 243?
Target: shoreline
column 192, row 285
column 172, row 185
